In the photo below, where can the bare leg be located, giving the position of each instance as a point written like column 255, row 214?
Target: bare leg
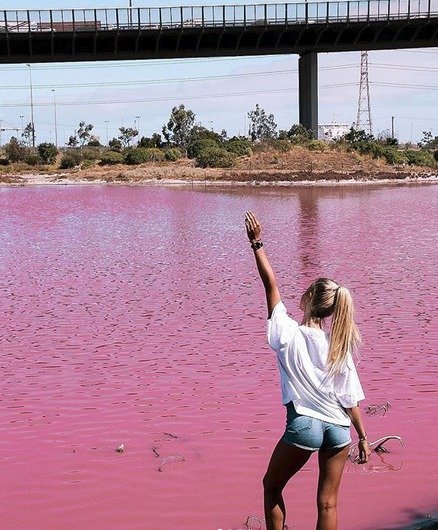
column 331, row 466
column 286, row 460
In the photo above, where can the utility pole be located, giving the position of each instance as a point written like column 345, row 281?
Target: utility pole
column 363, row 120
column 32, row 121
column 56, row 120
column 392, row 127
column 106, row 127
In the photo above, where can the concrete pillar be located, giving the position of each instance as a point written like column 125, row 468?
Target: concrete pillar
column 308, row 90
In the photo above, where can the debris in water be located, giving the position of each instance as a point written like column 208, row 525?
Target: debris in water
column 121, row 448
column 173, row 458
column 374, row 409
column 170, row 434
column 155, row 450
column 254, row 523
column 377, row 446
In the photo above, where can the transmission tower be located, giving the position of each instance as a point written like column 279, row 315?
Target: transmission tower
column 363, row 120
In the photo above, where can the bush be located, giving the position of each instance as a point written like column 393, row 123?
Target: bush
column 115, row 144
column 144, row 154
column 435, row 155
column 317, row 145
column 172, row 154
column 92, row 153
column 110, row 158
column 394, row 157
column 32, row 159
column 47, row 152
column 86, row 164
column 239, row 147
column 215, row 157
column 15, row 151
column 70, row 160
column 197, row 147
column 419, row 158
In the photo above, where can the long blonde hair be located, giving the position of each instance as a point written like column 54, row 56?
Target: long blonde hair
column 327, row 298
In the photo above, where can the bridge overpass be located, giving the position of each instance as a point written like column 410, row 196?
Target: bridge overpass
column 34, row 36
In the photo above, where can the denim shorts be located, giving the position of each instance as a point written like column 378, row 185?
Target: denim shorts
column 313, row 434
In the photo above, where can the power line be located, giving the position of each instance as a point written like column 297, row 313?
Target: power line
column 210, row 96
column 166, row 80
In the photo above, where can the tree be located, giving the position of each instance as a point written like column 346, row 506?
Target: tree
column 179, row 126
column 298, row 134
column 153, row 141
column 73, row 141
column 15, row 150
column 84, row 133
column 262, row 126
column 357, row 137
column 127, row 134
column 115, row 144
column 47, row 152
column 428, row 141
column 28, row 134
column 199, row 132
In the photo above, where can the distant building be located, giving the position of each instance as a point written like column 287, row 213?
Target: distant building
column 332, row 131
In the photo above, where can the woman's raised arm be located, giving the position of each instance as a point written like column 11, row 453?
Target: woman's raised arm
column 253, row 230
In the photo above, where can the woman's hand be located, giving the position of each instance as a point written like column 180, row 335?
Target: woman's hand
column 364, row 451
column 253, row 227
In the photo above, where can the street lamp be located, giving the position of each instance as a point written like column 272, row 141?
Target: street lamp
column 22, row 122
column 32, row 121
column 137, row 124
column 56, row 121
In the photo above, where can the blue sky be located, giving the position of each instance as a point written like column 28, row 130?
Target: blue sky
column 220, row 91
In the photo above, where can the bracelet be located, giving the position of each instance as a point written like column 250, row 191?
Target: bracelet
column 256, row 244
column 363, row 438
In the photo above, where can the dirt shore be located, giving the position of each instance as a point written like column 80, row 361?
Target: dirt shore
column 296, row 167
column 260, row 178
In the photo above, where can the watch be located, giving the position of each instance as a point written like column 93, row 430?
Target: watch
column 256, row 244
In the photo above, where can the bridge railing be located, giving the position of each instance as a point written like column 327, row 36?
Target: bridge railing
column 119, row 19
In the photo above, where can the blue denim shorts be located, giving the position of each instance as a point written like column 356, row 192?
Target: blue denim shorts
column 313, row 434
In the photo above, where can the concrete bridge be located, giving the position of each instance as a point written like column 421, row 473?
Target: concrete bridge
column 31, row 36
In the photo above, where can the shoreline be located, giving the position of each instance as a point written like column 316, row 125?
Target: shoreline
column 65, row 179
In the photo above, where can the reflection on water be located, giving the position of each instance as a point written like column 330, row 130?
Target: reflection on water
column 135, row 316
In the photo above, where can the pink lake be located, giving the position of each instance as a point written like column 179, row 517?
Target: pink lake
column 135, row 315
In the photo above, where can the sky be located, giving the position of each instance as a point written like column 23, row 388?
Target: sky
column 221, row 91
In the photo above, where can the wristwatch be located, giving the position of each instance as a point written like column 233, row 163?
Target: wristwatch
column 256, row 244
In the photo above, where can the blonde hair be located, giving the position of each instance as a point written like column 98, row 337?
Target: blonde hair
column 327, row 298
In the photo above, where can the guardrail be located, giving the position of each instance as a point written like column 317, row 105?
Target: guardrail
column 117, row 19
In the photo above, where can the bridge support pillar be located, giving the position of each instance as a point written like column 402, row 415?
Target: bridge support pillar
column 308, row 90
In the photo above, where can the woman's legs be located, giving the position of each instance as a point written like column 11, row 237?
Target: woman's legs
column 331, row 466
column 286, row 460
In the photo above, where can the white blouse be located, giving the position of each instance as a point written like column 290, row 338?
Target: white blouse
column 302, row 362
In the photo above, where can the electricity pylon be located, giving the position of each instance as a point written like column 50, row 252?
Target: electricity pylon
column 363, row 120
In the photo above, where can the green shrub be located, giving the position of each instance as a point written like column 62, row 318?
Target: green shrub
column 47, row 153
column 172, row 154
column 317, row 145
column 395, row 157
column 144, row 154
column 86, row 164
column 435, row 155
column 215, row 157
column 15, row 151
column 70, row 160
column 419, row 158
column 32, row 159
column 92, row 153
column 239, row 147
column 110, row 158
column 197, row 147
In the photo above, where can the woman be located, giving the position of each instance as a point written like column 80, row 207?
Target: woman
column 319, row 386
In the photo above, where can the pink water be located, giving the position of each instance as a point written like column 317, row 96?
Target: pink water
column 129, row 313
